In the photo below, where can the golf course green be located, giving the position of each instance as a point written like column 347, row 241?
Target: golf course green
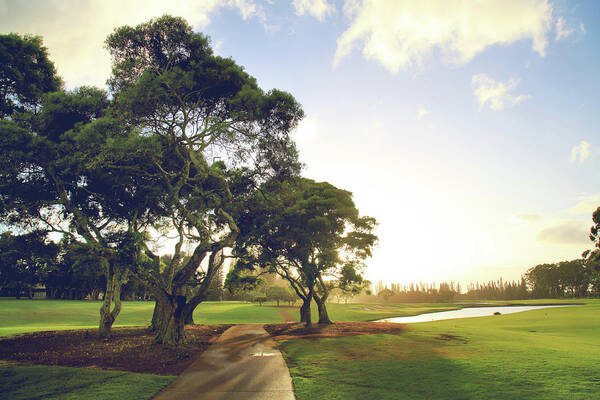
column 542, row 354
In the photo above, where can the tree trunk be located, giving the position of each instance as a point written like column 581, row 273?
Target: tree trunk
column 114, row 281
column 169, row 324
column 189, row 316
column 323, row 316
column 305, row 312
column 157, row 315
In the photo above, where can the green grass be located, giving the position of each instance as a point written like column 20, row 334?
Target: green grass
column 42, row 382
column 541, row 354
column 19, row 316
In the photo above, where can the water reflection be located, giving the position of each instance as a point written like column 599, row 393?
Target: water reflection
column 468, row 312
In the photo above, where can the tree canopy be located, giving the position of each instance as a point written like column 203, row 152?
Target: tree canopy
column 109, row 171
column 26, row 73
column 192, row 107
column 309, row 233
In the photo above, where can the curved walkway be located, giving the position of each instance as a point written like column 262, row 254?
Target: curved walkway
column 243, row 364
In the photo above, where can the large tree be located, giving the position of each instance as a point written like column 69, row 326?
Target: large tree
column 51, row 179
column 309, row 233
column 195, row 108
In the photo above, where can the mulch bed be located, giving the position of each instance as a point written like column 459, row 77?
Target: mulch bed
column 129, row 349
column 298, row 330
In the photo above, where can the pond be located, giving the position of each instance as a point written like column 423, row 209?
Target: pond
column 468, row 312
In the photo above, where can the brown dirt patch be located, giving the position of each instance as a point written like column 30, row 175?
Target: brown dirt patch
column 129, row 349
column 298, row 330
column 286, row 316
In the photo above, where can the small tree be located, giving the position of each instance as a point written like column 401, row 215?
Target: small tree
column 310, row 234
column 277, row 294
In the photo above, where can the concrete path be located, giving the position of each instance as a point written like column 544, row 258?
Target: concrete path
column 243, row 364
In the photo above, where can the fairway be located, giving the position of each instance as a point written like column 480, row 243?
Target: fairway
column 541, row 354
column 20, row 316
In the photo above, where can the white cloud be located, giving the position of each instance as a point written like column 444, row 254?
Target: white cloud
column 421, row 113
column 582, row 28
column 562, row 31
column 399, row 34
column 74, row 31
column 317, row 8
column 587, row 205
column 495, row 94
column 581, row 152
column 566, row 232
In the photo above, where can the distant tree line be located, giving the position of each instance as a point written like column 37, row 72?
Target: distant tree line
column 566, row 279
column 417, row 293
column 497, row 290
column 30, row 265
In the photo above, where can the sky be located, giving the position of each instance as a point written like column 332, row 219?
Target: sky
column 468, row 129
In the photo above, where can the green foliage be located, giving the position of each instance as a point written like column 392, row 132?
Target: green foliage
column 76, row 275
column 309, row 233
column 25, row 259
column 567, row 278
column 238, row 281
column 278, row 293
column 104, row 170
column 26, row 73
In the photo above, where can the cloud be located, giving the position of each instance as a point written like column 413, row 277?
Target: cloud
column 586, row 205
column 74, row 31
column 399, row 34
column 562, row 31
column 422, row 112
column 317, row 8
column 581, row 152
column 528, row 217
column 568, row 232
column 495, row 94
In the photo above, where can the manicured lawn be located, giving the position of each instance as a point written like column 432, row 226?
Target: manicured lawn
column 41, row 382
column 19, row 316
column 542, row 354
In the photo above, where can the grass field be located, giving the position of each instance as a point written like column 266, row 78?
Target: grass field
column 19, row 316
column 42, row 382
column 542, row 354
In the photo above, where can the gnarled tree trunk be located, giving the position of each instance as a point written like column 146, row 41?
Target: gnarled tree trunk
column 169, row 320
column 320, row 296
column 323, row 316
column 112, row 295
column 305, row 315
